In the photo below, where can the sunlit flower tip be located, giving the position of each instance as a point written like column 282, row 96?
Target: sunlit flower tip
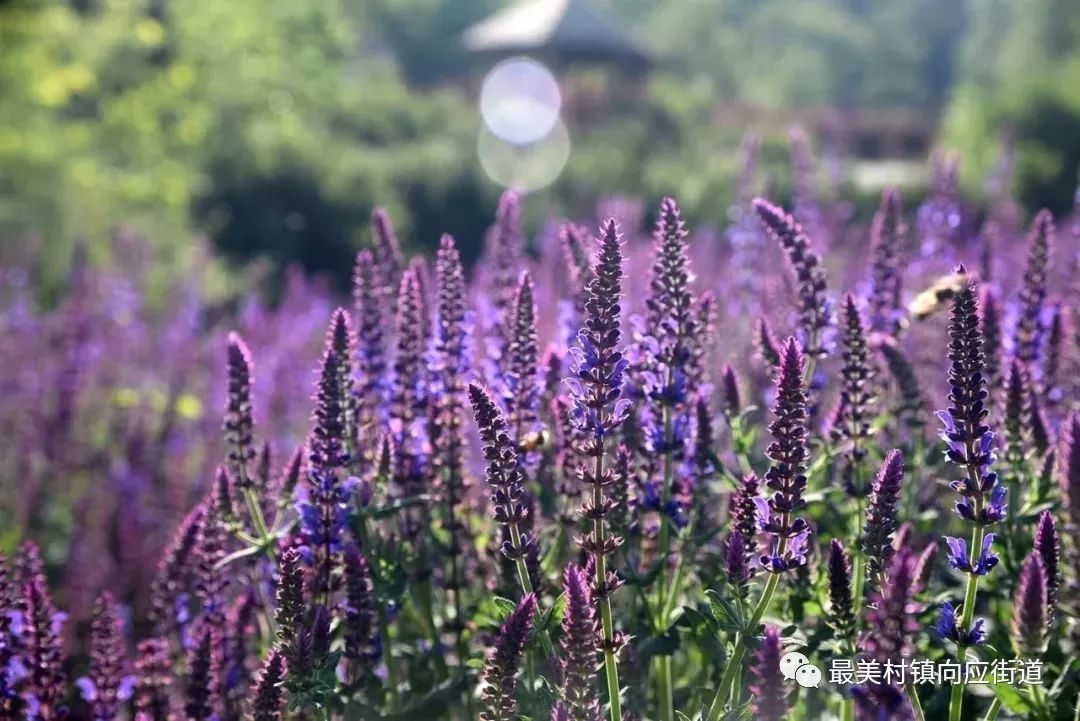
column 737, row 566
column 768, row 687
column 239, row 422
column 579, row 647
column 744, row 509
column 1030, row 611
column 1048, row 546
column 730, row 387
column 107, row 687
column 959, row 559
column 360, row 617
column 841, row 606
column 1029, row 329
column 266, row 703
column 924, row 566
column 948, row 629
column 881, row 514
column 153, row 673
column 766, row 343
column 500, row 672
column 813, row 305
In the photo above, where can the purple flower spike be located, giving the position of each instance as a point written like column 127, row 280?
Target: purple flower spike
column 107, row 665
column 153, row 669
column 389, row 261
column 813, row 305
column 990, row 327
column 887, row 239
column 891, row 615
column 841, row 605
column 766, row 343
column 1033, row 293
column 730, row 391
column 1030, row 610
column 42, row 651
column 500, row 672
column 504, row 473
column 737, row 565
column 579, row 649
column 1048, row 546
column 361, row 623
column 522, row 357
column 267, row 700
column 239, row 423
column 786, row 478
column 768, row 687
column 881, row 514
column 856, row 397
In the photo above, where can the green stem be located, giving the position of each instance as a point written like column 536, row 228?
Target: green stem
column 667, row 704
column 956, row 698
column 611, row 669
column 388, row 659
column 994, row 710
column 663, row 682
column 735, row 662
column 527, row 587
column 847, row 710
column 916, row 704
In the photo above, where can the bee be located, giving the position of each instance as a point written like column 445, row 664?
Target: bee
column 934, row 298
column 533, row 441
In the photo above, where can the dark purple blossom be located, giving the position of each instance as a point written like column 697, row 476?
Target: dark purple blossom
column 500, row 671
column 521, row 359
column 108, row 686
column 729, row 385
column 809, row 273
column 362, row 643
column 153, row 671
column 1031, row 613
column 786, row 477
column 42, row 653
column 881, row 513
column 239, row 423
column 768, row 687
column 1029, row 329
column 890, row 617
column 841, row 606
column 266, row 702
column 856, row 396
column 202, row 692
column 1048, row 547
column 886, row 240
column 578, row 691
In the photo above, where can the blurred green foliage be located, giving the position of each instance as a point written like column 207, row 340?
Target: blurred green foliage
column 275, row 126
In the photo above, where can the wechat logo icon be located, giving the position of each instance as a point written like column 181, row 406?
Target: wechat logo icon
column 796, row 666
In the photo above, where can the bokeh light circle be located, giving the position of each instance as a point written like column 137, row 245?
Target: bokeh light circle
column 525, row 167
column 520, row 101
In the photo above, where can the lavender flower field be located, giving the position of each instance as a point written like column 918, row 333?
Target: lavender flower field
column 617, row 469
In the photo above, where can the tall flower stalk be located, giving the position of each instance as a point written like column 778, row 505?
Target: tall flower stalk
column 596, row 384
column 508, row 495
column 671, row 334
column 969, row 445
column 788, row 535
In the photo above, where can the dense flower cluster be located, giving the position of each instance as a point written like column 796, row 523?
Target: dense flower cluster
column 622, row 526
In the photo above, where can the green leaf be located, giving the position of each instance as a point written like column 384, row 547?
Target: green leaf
column 554, row 616
column 1011, row 698
column 724, row 612
column 504, row 607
